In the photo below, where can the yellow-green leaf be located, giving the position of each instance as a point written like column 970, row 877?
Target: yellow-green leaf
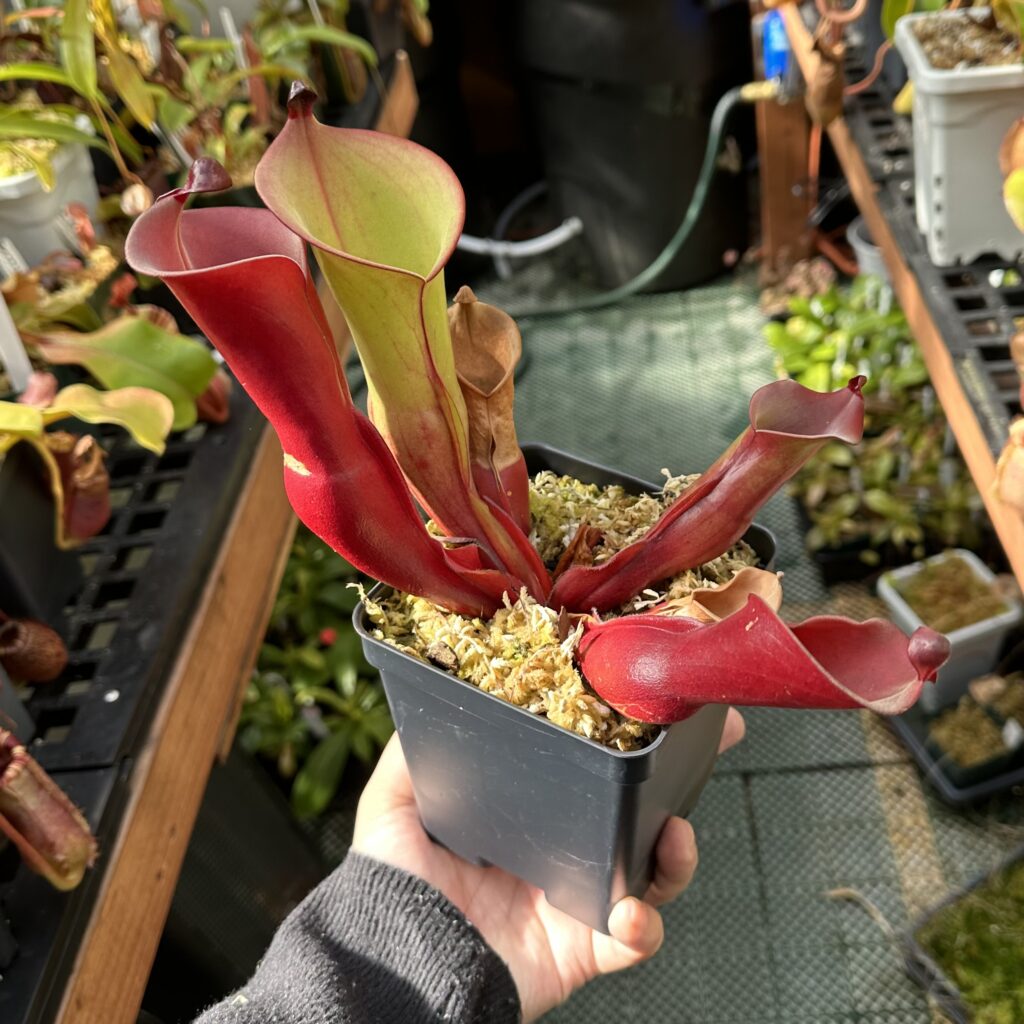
column 130, row 85
column 892, row 11
column 326, row 34
column 21, row 420
column 133, row 352
column 1013, row 196
column 34, row 71
column 904, row 102
column 146, row 414
column 38, row 162
column 26, row 124
column 78, row 47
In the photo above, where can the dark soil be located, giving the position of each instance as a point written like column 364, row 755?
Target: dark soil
column 968, row 40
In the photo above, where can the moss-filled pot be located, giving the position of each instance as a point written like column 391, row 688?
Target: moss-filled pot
column 966, row 952
column 500, row 785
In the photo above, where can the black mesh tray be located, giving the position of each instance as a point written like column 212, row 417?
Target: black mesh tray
column 144, row 575
column 124, row 627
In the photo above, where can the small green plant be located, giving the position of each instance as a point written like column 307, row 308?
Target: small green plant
column 314, row 701
column 904, row 486
column 978, row 941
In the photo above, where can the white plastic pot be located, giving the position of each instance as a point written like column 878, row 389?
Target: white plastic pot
column 869, row 256
column 960, row 119
column 29, row 215
column 974, row 649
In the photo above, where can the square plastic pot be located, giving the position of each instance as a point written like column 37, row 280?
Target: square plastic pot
column 974, row 649
column 960, row 119
column 967, row 776
column 500, row 785
column 29, row 215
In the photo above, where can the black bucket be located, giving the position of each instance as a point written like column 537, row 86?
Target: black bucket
column 497, row 784
column 622, row 94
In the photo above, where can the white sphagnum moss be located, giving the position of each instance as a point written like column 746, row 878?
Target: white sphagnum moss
column 518, row 654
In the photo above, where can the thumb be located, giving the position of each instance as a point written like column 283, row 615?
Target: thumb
column 637, row 932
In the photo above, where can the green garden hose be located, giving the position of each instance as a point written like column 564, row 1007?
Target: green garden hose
column 749, row 93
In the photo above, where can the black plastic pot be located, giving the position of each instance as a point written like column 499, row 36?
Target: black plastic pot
column 966, row 776
column 37, row 579
column 955, row 788
column 497, row 784
column 622, row 94
column 925, row 971
column 13, row 715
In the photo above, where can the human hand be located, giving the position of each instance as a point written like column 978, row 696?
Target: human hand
column 549, row 953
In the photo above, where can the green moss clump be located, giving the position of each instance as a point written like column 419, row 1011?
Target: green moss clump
column 978, row 941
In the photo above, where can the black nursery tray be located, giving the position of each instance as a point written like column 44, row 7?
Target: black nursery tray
column 40, row 927
column 912, row 728
column 925, row 971
column 143, row 577
column 124, row 628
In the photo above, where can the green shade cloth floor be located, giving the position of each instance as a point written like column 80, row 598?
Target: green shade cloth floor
column 811, row 801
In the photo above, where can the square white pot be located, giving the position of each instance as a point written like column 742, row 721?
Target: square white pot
column 960, row 119
column 974, row 649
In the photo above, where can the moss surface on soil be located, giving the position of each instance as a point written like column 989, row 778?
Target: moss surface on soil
column 978, row 941
column 966, row 40
column 967, row 734
column 525, row 653
column 947, row 595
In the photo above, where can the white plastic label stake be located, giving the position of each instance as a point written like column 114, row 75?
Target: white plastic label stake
column 227, row 19
column 11, row 260
column 12, row 351
column 1013, row 733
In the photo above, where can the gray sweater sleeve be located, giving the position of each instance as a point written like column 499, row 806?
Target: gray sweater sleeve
column 370, row 945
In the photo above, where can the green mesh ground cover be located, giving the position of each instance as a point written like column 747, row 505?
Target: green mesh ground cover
column 796, row 810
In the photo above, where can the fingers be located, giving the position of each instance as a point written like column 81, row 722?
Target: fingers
column 675, row 862
column 389, row 787
column 638, row 932
column 735, row 729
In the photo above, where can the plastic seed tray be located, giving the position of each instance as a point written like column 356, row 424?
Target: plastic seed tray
column 124, row 628
column 977, row 307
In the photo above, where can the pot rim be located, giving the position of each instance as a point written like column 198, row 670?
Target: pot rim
column 364, row 628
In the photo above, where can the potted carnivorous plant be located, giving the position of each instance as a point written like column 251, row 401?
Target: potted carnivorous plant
column 558, row 653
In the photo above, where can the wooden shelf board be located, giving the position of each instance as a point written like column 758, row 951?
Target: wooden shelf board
column 170, row 776
column 969, row 435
